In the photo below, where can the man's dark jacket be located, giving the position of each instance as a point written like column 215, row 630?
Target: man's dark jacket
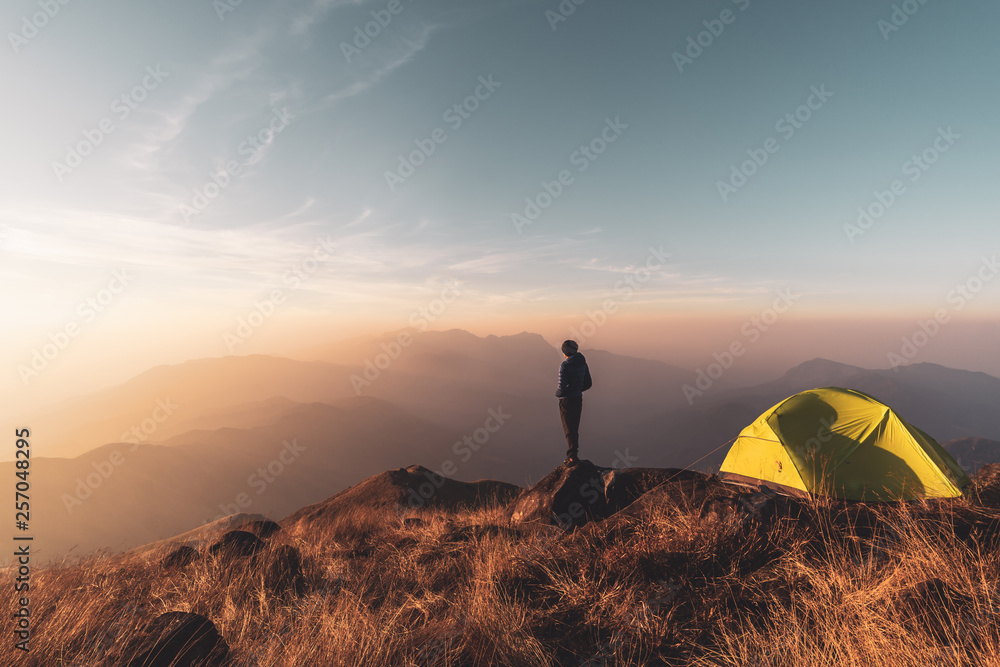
column 574, row 377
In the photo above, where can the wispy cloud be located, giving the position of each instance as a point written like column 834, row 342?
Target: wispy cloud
column 305, row 19
column 383, row 63
column 238, row 62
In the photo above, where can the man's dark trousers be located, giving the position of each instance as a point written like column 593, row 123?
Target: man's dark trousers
column 570, row 410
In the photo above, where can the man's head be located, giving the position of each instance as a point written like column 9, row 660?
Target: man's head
column 569, row 348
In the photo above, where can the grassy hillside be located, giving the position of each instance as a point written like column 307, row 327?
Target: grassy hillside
column 680, row 577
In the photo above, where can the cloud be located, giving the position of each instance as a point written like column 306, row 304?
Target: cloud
column 303, row 21
column 239, row 62
column 84, row 239
column 382, row 63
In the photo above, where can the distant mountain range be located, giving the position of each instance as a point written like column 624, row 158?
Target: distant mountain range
column 451, row 377
column 169, row 400
column 973, row 453
column 119, row 494
column 270, row 435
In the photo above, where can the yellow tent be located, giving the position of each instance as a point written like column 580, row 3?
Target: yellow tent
column 841, row 443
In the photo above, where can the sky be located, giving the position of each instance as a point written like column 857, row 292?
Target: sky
column 667, row 171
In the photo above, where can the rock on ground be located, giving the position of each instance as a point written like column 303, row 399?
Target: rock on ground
column 283, row 571
column 570, row 497
column 262, row 529
column 179, row 638
column 180, row 557
column 237, row 544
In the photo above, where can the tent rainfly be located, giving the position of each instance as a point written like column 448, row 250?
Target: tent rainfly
column 845, row 444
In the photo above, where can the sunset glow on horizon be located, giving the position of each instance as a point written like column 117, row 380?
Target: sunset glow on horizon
column 323, row 169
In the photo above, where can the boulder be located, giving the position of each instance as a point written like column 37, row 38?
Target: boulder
column 237, row 544
column 568, row 497
column 179, row 638
column 686, row 491
column 180, row 557
column 624, row 486
column 262, row 529
column 200, row 537
column 766, row 506
column 283, row 571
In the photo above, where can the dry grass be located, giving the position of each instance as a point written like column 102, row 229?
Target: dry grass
column 662, row 587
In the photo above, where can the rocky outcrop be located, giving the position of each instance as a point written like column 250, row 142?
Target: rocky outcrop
column 283, row 571
column 201, row 537
column 405, row 489
column 570, row 497
column 237, row 544
column 262, row 529
column 626, row 485
column 180, row 557
column 179, row 638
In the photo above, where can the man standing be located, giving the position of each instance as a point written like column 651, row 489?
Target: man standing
column 574, row 379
